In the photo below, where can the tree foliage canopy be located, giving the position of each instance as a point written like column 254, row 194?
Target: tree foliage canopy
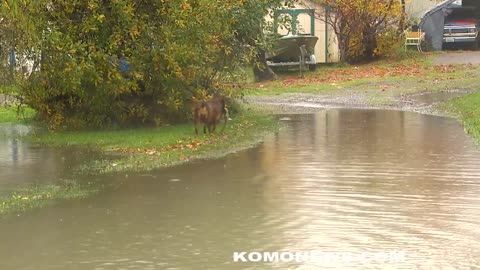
column 122, row 62
column 363, row 27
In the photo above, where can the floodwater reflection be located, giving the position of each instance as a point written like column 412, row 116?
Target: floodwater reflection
column 23, row 164
column 336, row 181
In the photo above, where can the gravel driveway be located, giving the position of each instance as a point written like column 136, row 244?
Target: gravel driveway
column 419, row 102
column 425, row 103
column 458, row 58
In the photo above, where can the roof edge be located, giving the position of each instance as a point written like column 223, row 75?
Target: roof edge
column 433, row 10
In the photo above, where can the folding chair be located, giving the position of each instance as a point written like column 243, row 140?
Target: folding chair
column 414, row 39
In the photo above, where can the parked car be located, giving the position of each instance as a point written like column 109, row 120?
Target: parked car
column 461, row 27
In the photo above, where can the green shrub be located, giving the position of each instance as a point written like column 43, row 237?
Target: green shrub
column 176, row 52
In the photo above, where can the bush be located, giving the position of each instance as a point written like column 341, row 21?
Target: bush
column 123, row 63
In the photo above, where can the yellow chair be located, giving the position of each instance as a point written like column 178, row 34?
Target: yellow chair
column 414, row 39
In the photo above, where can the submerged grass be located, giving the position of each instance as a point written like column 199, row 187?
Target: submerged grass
column 38, row 196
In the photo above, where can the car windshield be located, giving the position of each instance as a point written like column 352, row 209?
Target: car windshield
column 461, row 14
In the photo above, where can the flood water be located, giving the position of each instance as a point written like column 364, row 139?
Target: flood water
column 352, row 181
column 23, row 164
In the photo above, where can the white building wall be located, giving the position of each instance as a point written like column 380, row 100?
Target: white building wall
column 326, row 49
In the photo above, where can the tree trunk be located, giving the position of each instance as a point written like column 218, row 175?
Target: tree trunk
column 261, row 70
column 401, row 24
column 369, row 43
column 343, row 38
column 342, row 48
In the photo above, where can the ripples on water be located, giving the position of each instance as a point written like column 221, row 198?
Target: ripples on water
column 337, row 181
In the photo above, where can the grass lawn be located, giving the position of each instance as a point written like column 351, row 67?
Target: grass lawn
column 10, row 114
column 467, row 109
column 152, row 148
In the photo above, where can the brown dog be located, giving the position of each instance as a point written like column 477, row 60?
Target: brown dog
column 209, row 112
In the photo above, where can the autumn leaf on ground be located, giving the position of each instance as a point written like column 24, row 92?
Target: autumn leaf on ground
column 191, row 145
column 150, row 151
column 335, row 76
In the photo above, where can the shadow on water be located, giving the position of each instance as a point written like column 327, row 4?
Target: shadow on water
column 24, row 164
column 338, row 181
